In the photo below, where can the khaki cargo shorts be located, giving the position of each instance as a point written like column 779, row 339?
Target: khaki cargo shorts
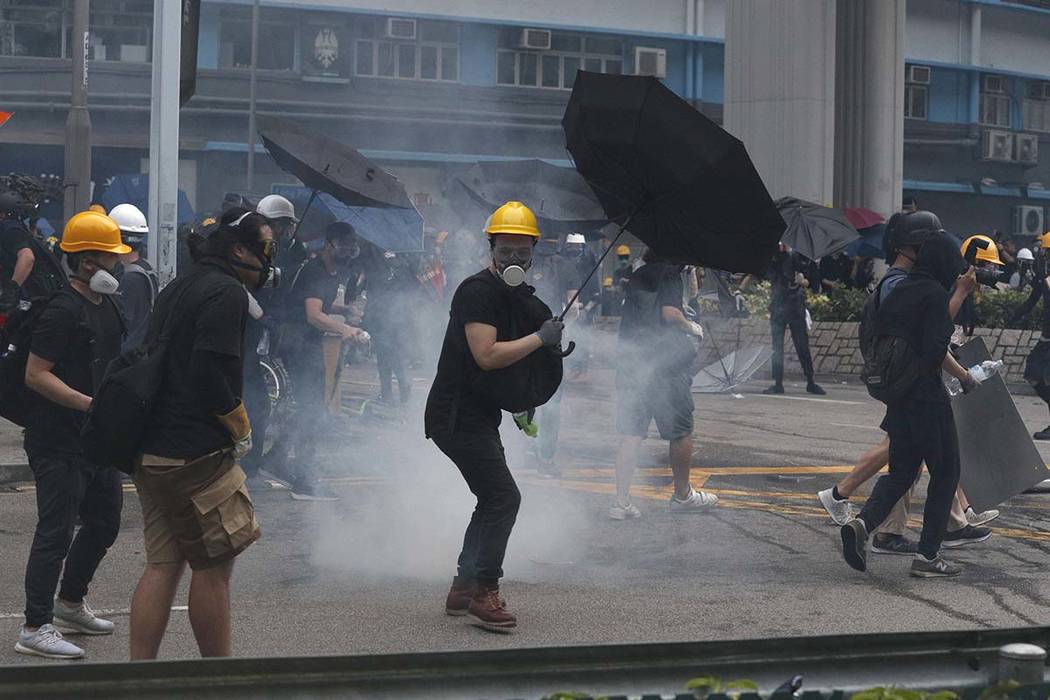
column 197, row 511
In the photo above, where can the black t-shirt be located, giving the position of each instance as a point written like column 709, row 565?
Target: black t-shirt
column 212, row 308
column 474, row 302
column 652, row 287
column 14, row 237
column 314, row 282
column 81, row 338
column 786, row 294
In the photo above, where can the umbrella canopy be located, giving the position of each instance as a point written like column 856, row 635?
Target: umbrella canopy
column 327, row 165
column 814, row 231
column 396, row 230
column 860, row 217
column 731, row 370
column 559, row 197
column 134, row 189
column 682, row 184
column 869, row 245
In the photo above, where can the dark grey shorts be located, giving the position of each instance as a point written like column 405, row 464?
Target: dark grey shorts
column 667, row 399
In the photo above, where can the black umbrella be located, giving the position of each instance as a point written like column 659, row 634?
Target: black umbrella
column 559, row 197
column 327, row 165
column 814, row 231
column 670, row 175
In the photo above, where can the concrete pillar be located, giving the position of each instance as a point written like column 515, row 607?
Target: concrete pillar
column 780, row 91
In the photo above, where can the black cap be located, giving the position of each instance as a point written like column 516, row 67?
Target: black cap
column 909, row 229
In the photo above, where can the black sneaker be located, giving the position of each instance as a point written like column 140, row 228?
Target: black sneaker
column 1043, row 434
column 816, row 389
column 965, row 536
column 778, row 389
column 894, row 544
column 855, row 544
column 921, row 567
column 307, row 490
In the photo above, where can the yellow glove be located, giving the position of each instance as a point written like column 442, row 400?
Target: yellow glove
column 240, row 429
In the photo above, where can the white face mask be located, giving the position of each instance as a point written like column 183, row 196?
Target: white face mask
column 513, row 275
column 102, row 282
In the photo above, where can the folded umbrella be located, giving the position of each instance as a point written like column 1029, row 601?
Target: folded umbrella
column 860, row 217
column 669, row 175
column 327, row 165
column 394, row 229
column 814, row 231
column 559, row 197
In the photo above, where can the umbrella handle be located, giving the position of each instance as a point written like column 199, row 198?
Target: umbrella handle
column 566, row 352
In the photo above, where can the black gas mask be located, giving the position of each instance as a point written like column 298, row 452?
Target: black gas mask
column 512, row 262
column 263, row 252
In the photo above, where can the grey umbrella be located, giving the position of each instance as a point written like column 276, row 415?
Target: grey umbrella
column 814, row 231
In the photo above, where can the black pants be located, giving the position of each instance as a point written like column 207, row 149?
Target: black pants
column 794, row 319
column 391, row 363
column 68, row 488
column 257, row 403
column 481, row 461
column 919, row 431
column 1043, row 391
column 310, row 420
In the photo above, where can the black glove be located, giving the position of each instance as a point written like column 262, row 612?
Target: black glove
column 550, row 332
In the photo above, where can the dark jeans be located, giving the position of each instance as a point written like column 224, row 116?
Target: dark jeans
column 257, row 403
column 796, row 321
column 482, row 463
column 68, row 488
column 391, row 363
column 310, row 420
column 918, row 431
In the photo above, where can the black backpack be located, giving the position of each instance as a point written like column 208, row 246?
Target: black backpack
column 891, row 367
column 532, row 381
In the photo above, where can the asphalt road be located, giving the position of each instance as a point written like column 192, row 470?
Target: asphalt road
column 369, row 573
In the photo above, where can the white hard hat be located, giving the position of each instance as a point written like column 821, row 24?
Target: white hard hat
column 1025, row 254
column 575, row 238
column 274, row 206
column 129, row 218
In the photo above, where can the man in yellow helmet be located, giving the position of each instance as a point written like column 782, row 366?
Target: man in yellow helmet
column 74, row 337
column 495, row 324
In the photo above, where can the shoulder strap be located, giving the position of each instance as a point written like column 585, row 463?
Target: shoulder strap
column 151, row 277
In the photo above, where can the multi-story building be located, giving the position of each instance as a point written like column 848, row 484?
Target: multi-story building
column 426, row 87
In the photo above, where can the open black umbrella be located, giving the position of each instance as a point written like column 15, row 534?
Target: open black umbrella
column 326, row 165
column 559, row 197
column 670, row 175
column 814, row 231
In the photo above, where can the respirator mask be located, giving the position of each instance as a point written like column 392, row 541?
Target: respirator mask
column 105, row 281
column 512, row 263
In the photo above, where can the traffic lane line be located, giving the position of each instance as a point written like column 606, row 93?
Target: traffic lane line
column 108, row 612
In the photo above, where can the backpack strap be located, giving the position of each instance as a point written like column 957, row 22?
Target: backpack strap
column 151, row 277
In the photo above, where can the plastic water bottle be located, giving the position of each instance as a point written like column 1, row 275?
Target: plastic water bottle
column 985, row 370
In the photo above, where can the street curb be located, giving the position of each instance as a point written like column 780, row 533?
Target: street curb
column 10, row 473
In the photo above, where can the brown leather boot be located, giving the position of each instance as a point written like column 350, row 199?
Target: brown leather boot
column 489, row 611
column 459, row 595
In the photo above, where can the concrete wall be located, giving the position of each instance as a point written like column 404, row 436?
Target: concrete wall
column 1016, row 41
column 937, row 30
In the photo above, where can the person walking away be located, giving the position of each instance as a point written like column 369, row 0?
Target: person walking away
column 656, row 384
column 195, row 507
column 139, row 285
column 74, row 338
column 464, row 423
column 388, row 318
column 904, row 236
column 920, row 425
column 312, row 316
column 788, row 310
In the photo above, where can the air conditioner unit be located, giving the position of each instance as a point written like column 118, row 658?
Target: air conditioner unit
column 997, row 145
column 400, row 28
column 918, row 74
column 993, row 83
column 1027, row 146
column 1028, row 221
column 650, row 62
column 535, row 39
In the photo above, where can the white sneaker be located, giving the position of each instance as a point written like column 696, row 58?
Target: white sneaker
column 46, row 641
column 694, row 502
column 982, row 518
column 841, row 512
column 624, row 512
column 79, row 619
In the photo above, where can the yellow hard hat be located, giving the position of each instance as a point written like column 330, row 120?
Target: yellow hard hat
column 989, row 254
column 1044, row 240
column 623, row 250
column 90, row 230
column 513, row 217
column 98, row 208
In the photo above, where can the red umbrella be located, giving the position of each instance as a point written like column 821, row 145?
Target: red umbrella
column 4, row 116
column 863, row 218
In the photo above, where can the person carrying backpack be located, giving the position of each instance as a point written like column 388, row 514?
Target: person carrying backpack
column 138, row 285
column 75, row 334
column 496, row 327
column 654, row 382
column 919, row 419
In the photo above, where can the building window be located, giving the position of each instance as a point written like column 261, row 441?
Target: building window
column 556, row 67
column 407, row 49
column 1037, row 107
column 278, row 39
column 995, row 101
column 34, row 29
column 120, row 30
column 916, row 92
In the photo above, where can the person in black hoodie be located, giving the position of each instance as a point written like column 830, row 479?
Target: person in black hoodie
column 921, row 426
